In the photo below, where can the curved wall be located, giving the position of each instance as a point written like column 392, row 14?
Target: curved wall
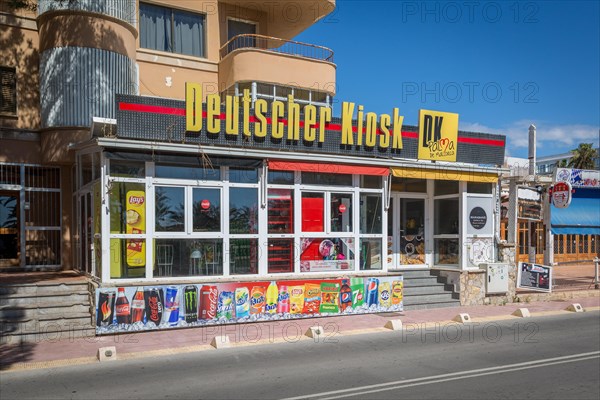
column 87, row 56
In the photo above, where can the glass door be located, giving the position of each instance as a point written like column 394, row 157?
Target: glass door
column 406, row 231
column 9, row 229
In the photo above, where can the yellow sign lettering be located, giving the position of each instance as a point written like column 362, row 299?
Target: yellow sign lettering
column 260, row 128
column 193, row 107
column 325, row 117
column 246, row 100
column 277, row 129
column 213, row 110
column 371, row 136
column 310, row 119
column 293, row 119
column 232, row 115
column 347, row 114
column 397, row 139
column 384, row 127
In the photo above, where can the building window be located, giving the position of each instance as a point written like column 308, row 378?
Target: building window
column 270, row 92
column 8, row 91
column 172, row 30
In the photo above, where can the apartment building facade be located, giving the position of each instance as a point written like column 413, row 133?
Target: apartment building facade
column 194, row 143
column 63, row 62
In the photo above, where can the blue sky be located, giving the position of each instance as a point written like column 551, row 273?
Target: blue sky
column 501, row 65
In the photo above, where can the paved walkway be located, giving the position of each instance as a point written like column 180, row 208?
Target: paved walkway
column 575, row 285
column 54, row 351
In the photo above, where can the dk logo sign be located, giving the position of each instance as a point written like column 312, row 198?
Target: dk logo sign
column 438, row 134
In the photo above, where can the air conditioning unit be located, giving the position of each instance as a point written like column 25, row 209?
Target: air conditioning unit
column 496, row 277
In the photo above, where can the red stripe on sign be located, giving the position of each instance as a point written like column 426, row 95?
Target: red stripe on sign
column 482, row 142
column 151, row 109
column 331, row 127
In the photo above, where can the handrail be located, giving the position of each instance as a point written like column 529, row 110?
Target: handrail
column 276, row 45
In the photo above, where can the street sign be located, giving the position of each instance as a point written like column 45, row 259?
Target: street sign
column 561, row 194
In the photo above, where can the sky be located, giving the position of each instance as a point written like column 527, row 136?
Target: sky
column 501, row 65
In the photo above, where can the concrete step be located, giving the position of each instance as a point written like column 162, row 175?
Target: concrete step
column 16, row 314
column 429, row 289
column 444, row 304
column 416, row 273
column 430, row 298
column 42, row 290
column 423, row 281
column 57, row 325
column 47, row 302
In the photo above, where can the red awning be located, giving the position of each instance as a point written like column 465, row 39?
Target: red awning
column 327, row 168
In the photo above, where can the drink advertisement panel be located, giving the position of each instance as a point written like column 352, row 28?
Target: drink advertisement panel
column 181, row 306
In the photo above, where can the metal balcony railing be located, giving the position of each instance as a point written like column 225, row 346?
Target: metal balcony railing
column 276, row 45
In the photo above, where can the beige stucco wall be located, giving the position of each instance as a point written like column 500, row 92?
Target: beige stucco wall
column 20, row 151
column 163, row 76
column 241, row 65
column 19, row 45
column 55, row 144
column 285, row 18
column 80, row 29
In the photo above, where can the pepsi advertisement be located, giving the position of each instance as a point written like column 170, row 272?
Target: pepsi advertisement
column 127, row 309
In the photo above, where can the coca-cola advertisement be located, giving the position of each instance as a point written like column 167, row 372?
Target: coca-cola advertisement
column 130, row 309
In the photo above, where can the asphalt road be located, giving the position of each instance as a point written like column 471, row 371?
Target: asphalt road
column 535, row 358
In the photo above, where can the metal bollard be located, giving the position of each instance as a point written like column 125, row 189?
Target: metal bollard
column 596, row 264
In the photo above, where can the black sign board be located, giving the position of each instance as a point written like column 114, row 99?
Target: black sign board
column 534, row 277
column 478, row 218
column 164, row 120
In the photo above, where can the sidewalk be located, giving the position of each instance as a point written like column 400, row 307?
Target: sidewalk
column 52, row 351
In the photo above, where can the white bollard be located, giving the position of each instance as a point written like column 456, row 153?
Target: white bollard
column 107, row 354
column 575, row 307
column 522, row 312
column 463, row 318
column 394, row 324
column 220, row 342
column 315, row 331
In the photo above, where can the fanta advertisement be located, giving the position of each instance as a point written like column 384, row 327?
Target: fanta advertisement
column 143, row 308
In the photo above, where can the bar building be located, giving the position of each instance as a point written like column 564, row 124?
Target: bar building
column 100, row 171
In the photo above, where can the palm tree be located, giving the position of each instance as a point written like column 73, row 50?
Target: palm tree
column 583, row 157
column 562, row 163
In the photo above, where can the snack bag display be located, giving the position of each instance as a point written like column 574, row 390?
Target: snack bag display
column 296, row 299
column 135, row 224
column 330, row 293
column 312, row 298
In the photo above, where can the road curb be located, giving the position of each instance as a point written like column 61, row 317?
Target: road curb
column 207, row 347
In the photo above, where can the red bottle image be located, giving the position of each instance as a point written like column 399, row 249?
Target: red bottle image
column 122, row 309
column 345, row 295
column 138, row 306
column 208, row 302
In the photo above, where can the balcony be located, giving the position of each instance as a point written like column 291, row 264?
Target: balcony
column 286, row 18
column 258, row 58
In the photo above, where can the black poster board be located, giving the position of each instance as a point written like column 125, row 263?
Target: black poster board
column 534, row 277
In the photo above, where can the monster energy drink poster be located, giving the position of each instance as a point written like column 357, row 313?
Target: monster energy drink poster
column 127, row 309
column 190, row 295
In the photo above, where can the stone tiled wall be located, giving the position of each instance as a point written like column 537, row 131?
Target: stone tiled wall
column 472, row 283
